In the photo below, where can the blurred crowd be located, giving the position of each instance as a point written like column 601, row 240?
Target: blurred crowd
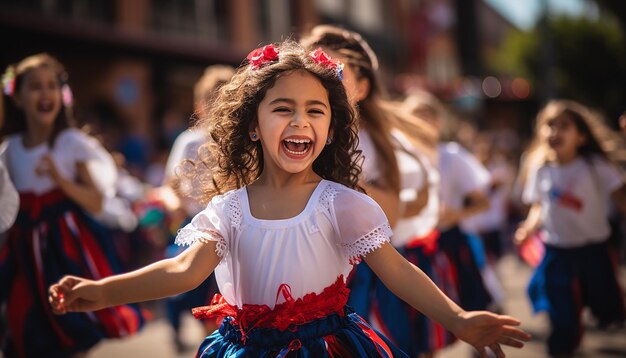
column 482, row 177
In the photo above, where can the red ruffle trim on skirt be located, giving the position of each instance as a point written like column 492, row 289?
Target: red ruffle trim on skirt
column 285, row 315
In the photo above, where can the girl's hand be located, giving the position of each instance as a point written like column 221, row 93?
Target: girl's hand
column 521, row 234
column 484, row 329
column 75, row 294
column 47, row 167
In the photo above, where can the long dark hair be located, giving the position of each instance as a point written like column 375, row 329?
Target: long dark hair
column 15, row 119
column 377, row 115
column 235, row 160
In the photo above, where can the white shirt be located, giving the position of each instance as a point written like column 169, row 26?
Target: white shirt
column 370, row 168
column 461, row 173
column 71, row 147
column 185, row 147
column 307, row 252
column 9, row 198
column 495, row 217
column 413, row 174
column 574, row 200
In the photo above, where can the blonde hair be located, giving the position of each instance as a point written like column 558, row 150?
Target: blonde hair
column 213, row 78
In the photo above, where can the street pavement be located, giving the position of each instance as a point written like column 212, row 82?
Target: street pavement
column 155, row 340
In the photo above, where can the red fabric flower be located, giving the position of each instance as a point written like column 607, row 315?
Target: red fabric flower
column 262, row 55
column 322, row 58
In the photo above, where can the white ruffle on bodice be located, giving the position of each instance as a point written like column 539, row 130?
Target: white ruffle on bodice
column 308, row 252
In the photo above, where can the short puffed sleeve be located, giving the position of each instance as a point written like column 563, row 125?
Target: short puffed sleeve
column 212, row 223
column 361, row 223
column 81, row 147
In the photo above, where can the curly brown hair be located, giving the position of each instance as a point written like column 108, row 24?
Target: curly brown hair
column 235, row 160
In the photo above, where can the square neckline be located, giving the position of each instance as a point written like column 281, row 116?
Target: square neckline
column 313, row 199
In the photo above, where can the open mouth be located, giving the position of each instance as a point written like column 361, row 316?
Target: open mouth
column 554, row 142
column 297, row 147
column 45, row 107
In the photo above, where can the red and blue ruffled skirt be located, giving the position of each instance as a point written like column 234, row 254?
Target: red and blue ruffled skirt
column 408, row 328
column 473, row 294
column 569, row 279
column 317, row 325
column 53, row 237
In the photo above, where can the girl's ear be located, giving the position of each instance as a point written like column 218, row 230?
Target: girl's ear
column 253, row 131
column 331, row 136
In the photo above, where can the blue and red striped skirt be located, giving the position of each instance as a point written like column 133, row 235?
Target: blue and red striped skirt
column 53, row 237
column 569, row 279
column 317, row 325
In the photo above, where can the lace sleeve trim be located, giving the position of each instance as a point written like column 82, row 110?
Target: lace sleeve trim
column 233, row 209
column 368, row 243
column 188, row 236
column 327, row 198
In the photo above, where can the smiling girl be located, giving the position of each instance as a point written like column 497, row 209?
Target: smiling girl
column 285, row 225
column 53, row 167
column 570, row 183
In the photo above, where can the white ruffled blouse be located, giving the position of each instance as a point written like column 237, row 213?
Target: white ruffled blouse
column 72, row 146
column 308, row 252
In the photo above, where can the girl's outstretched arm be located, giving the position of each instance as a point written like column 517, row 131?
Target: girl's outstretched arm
column 161, row 279
column 416, row 206
column 530, row 225
column 479, row 328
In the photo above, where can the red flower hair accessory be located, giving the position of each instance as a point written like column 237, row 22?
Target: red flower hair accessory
column 262, row 55
column 322, row 58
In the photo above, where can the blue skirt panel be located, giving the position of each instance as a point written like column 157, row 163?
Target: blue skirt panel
column 566, row 281
column 331, row 336
column 473, row 294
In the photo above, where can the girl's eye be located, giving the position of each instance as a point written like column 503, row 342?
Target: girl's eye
column 316, row 111
column 282, row 109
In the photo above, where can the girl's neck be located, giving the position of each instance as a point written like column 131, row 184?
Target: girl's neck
column 566, row 159
column 35, row 137
column 287, row 180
